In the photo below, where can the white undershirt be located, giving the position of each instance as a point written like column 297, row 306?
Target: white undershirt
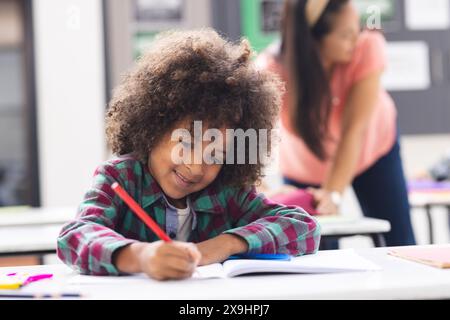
column 184, row 223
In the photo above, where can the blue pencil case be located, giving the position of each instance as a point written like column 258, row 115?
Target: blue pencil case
column 261, row 256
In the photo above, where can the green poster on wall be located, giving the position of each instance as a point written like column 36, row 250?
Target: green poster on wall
column 384, row 10
column 260, row 21
column 141, row 41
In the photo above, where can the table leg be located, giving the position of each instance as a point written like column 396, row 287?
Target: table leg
column 448, row 213
column 378, row 240
column 430, row 223
column 329, row 243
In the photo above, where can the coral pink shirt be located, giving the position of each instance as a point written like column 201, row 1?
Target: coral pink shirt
column 297, row 162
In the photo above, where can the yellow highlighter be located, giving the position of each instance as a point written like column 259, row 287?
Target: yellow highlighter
column 10, row 286
column 12, row 281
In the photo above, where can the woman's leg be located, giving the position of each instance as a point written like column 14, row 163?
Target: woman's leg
column 382, row 193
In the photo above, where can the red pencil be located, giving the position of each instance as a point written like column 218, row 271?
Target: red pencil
column 140, row 212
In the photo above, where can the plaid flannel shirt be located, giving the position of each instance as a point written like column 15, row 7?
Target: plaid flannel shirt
column 104, row 223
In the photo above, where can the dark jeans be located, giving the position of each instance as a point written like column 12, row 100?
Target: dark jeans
column 382, row 193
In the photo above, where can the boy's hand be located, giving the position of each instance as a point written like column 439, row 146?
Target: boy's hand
column 159, row 260
column 220, row 248
column 173, row 260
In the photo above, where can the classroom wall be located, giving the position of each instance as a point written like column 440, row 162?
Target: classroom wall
column 70, row 82
column 422, row 151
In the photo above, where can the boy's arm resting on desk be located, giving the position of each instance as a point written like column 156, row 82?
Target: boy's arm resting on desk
column 89, row 242
column 221, row 247
column 268, row 227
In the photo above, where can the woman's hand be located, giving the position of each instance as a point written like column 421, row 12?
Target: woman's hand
column 220, row 248
column 160, row 260
column 324, row 202
column 284, row 189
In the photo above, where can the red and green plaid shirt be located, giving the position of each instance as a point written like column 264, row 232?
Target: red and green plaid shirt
column 104, row 223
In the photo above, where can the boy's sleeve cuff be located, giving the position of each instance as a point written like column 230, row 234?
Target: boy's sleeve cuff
column 256, row 239
column 109, row 248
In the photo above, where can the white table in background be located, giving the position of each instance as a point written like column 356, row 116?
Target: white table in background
column 22, row 216
column 31, row 231
column 34, row 231
column 335, row 227
column 398, row 279
column 428, row 200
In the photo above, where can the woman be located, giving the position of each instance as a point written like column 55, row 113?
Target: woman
column 338, row 125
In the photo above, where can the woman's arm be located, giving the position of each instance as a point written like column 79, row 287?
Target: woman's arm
column 357, row 113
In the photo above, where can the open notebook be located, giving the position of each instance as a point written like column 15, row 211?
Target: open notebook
column 436, row 256
column 322, row 262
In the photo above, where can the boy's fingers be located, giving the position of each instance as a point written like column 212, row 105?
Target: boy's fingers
column 175, row 249
column 177, row 263
column 194, row 253
column 177, row 274
column 172, row 273
column 190, row 251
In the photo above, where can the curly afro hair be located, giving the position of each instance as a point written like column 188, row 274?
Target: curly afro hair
column 194, row 75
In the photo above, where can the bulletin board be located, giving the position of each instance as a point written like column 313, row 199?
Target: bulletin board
column 418, row 63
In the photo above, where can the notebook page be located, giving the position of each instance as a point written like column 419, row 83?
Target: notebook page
column 322, row 262
column 214, row 270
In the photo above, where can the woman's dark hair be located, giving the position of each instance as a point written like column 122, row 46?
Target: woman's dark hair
column 311, row 99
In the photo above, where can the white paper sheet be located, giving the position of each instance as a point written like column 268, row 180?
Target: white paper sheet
column 427, row 14
column 408, row 66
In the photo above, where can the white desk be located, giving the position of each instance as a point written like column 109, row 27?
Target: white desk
column 26, row 240
column 417, row 198
column 399, row 279
column 345, row 226
column 428, row 200
column 33, row 231
column 10, row 217
column 338, row 227
column 25, row 236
